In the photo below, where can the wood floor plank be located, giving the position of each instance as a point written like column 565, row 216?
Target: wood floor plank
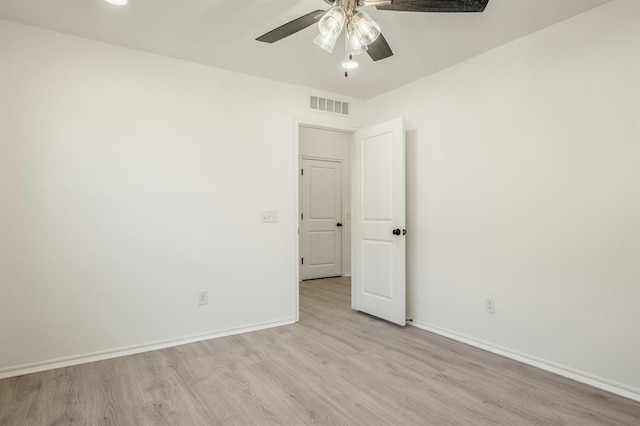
column 336, row 366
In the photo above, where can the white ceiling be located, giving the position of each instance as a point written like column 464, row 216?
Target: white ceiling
column 221, row 33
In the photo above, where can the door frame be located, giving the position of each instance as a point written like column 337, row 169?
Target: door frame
column 297, row 123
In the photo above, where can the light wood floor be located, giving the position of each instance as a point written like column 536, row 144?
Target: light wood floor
column 334, row 367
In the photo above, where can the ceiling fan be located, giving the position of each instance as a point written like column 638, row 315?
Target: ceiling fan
column 363, row 34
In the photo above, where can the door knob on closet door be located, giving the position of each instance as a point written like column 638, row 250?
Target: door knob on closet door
column 397, row 231
column 338, row 224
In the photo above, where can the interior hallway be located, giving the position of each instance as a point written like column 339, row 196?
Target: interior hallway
column 335, row 366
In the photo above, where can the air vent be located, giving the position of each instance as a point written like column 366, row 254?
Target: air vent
column 332, row 106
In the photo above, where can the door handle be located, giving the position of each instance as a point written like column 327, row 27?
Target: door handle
column 338, row 224
column 397, row 231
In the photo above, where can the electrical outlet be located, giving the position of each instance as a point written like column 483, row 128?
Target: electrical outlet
column 203, row 298
column 490, row 305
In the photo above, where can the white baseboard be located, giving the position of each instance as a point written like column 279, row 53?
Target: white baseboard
column 561, row 370
column 52, row 364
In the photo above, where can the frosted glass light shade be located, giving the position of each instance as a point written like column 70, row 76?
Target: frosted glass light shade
column 326, row 42
column 117, row 2
column 332, row 22
column 367, row 28
column 354, row 46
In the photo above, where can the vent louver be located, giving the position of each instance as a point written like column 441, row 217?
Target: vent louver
column 332, row 106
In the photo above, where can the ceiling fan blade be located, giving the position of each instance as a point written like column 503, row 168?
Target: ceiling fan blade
column 436, row 5
column 379, row 49
column 292, row 27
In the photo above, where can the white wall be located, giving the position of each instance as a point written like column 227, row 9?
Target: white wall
column 129, row 182
column 323, row 143
column 524, row 184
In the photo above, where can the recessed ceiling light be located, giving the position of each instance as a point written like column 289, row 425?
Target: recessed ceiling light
column 117, row 2
column 349, row 65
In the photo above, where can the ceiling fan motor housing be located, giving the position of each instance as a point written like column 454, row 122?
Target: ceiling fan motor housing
column 349, row 6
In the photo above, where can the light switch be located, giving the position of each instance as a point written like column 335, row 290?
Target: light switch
column 269, row 216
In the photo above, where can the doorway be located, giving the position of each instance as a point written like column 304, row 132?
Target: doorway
column 375, row 158
column 324, row 202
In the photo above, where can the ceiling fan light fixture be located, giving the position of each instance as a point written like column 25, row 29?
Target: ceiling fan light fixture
column 326, row 42
column 367, row 29
column 117, row 2
column 332, row 22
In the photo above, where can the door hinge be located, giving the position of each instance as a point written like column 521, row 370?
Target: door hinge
column 301, row 172
column 301, row 216
column 302, row 260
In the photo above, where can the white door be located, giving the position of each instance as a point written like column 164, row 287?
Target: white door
column 378, row 220
column 320, row 219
